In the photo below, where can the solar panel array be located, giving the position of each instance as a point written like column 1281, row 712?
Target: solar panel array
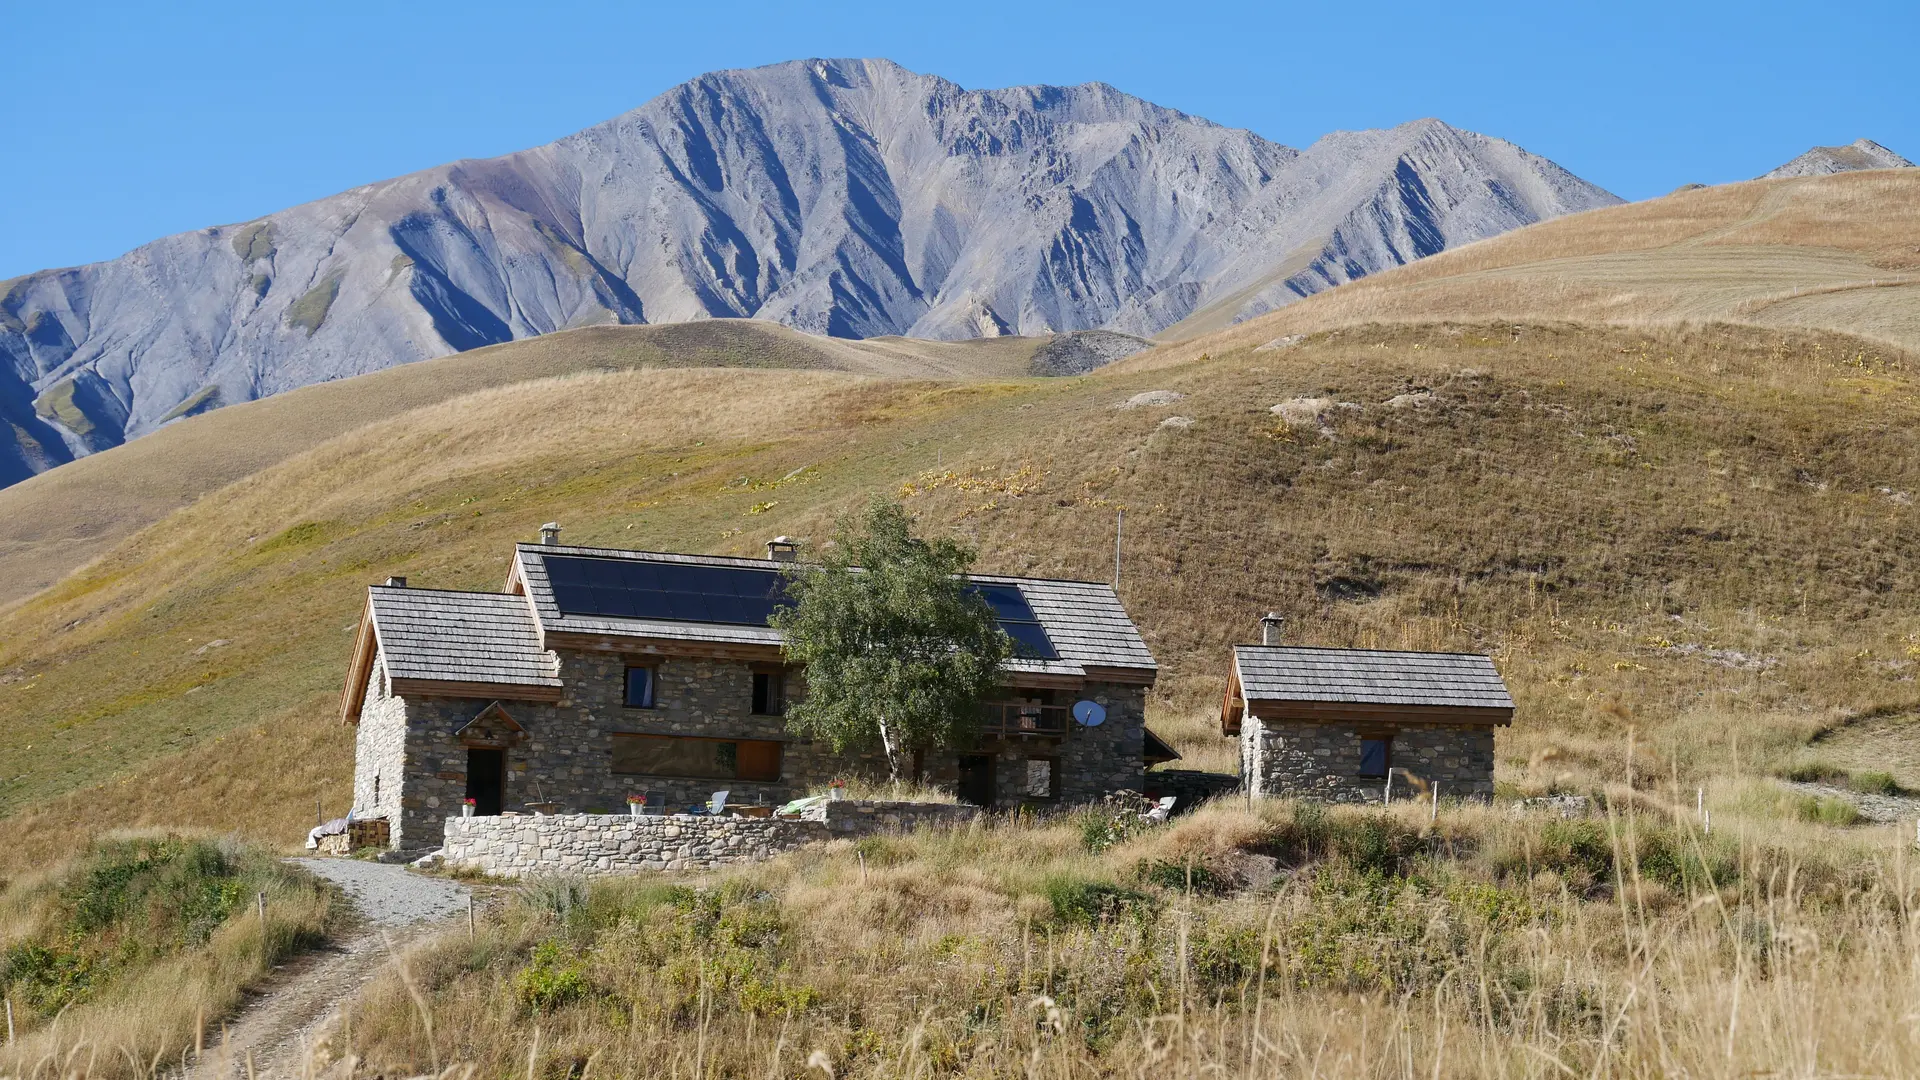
column 680, row 592
column 733, row 596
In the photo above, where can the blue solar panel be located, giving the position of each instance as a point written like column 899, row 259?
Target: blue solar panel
column 680, row 592
column 733, row 596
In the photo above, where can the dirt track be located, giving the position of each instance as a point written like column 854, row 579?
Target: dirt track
column 283, row 1017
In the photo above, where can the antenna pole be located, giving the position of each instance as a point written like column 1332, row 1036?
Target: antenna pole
column 1119, row 520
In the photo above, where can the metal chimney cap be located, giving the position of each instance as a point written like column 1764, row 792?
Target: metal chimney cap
column 1270, row 627
column 783, row 549
column 397, row 582
column 550, row 533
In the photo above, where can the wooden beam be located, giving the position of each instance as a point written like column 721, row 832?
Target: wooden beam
column 1345, row 712
column 655, row 646
column 1123, row 675
column 450, row 689
column 365, row 647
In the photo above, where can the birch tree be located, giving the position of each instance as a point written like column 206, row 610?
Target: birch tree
column 899, row 652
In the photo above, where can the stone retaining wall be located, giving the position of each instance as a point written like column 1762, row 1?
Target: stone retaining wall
column 564, row 844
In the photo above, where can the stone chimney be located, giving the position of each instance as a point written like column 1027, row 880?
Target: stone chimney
column 550, row 533
column 783, row 549
column 397, row 582
column 1272, row 626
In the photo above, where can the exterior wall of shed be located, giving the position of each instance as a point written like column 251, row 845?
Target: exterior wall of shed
column 1289, row 759
column 380, row 753
column 566, row 753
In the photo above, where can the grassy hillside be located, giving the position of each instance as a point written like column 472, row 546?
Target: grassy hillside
column 1697, row 541
column 1837, row 252
column 54, row 522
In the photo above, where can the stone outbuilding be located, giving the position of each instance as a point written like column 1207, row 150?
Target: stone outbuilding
column 1342, row 724
column 601, row 673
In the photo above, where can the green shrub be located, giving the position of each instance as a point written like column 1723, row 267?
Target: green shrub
column 553, row 979
column 1814, row 772
column 1078, row 901
column 1876, row 783
column 1825, row 811
column 1187, row 876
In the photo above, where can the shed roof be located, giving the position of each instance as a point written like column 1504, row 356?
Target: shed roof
column 1288, row 673
column 1083, row 619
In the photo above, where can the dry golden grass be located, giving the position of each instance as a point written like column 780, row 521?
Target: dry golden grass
column 1837, row 252
column 149, row 1014
column 1482, row 945
column 1701, row 535
column 54, row 522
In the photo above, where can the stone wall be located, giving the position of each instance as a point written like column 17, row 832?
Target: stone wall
column 566, row 844
column 380, row 762
column 1322, row 761
column 564, row 755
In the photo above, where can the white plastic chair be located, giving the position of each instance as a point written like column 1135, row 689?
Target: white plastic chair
column 718, row 805
column 1163, row 809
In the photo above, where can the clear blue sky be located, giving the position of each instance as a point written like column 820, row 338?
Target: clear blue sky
column 127, row 122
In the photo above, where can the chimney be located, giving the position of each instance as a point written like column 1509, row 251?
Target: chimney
column 783, row 549
column 550, row 533
column 1271, row 626
column 397, row 582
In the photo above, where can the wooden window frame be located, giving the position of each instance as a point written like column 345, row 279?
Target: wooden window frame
column 779, row 758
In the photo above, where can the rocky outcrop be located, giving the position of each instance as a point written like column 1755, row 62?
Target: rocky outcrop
column 845, row 197
column 1825, row 160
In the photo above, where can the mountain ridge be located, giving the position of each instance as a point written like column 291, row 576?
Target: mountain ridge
column 851, row 198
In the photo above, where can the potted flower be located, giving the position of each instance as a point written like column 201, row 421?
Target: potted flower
column 467, row 805
column 636, row 805
column 837, row 790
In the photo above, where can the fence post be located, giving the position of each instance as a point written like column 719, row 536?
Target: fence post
column 260, row 901
column 470, row 928
column 9, row 1021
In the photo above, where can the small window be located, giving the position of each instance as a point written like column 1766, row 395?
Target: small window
column 639, row 688
column 1043, row 775
column 769, row 693
column 1375, row 757
column 756, row 760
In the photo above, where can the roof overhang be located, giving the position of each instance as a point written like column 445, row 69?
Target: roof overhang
column 1155, row 751
column 366, row 646
column 453, row 689
column 1337, row 712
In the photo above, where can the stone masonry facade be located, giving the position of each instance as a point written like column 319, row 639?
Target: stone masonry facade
column 415, row 750
column 588, row 844
column 1289, row 759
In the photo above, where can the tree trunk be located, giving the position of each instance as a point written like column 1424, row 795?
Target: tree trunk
column 892, row 752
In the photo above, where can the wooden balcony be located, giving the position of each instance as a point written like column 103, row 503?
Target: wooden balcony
column 1005, row 718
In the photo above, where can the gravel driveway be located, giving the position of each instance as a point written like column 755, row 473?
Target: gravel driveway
column 270, row 1035
column 388, row 894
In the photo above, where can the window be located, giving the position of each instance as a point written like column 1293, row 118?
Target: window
column 1375, row 757
column 702, row 759
column 1043, row 775
column 640, row 688
column 769, row 693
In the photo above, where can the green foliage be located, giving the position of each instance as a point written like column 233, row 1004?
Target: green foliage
column 58, row 404
column 1101, row 828
column 899, row 652
column 1187, row 876
column 1580, row 851
column 553, row 979
column 130, row 902
column 1077, row 901
column 1365, row 841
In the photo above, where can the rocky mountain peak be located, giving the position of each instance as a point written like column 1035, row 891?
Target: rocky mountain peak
column 846, row 197
column 1856, row 155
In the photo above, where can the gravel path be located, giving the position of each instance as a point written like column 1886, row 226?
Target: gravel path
column 295, row 1007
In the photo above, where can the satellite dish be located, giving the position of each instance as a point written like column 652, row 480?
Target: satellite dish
column 1089, row 713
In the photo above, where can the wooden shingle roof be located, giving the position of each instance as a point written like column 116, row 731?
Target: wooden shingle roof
column 1308, row 683
column 467, row 637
